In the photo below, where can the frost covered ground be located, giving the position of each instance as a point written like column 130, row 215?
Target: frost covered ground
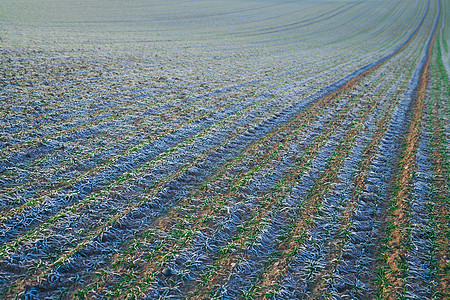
column 224, row 149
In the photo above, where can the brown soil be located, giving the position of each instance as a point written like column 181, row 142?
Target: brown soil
column 440, row 183
column 272, row 274
column 400, row 215
column 253, row 151
column 336, row 246
column 227, row 263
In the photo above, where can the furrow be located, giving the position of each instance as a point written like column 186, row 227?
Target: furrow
column 263, row 127
column 85, row 186
column 225, row 197
column 67, row 180
column 397, row 222
column 253, row 247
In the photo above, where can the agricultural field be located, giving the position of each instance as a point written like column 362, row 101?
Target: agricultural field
column 224, row 149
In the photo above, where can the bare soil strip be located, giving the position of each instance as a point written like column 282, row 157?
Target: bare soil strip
column 398, row 218
column 439, row 92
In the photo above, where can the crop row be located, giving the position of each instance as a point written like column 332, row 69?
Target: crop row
column 237, row 150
